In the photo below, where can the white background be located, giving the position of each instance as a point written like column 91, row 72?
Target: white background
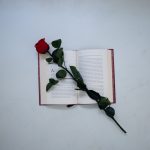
column 120, row 24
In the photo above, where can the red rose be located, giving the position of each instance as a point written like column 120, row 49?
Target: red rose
column 41, row 46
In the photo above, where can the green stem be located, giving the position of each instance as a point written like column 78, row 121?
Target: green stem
column 49, row 53
column 65, row 69
column 118, row 124
column 69, row 73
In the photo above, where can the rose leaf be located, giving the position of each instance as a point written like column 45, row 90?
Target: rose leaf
column 61, row 74
column 56, row 43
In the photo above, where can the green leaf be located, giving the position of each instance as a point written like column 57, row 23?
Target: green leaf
column 110, row 112
column 61, row 74
column 103, row 102
column 81, row 85
column 94, row 95
column 78, row 77
column 54, row 55
column 60, row 61
column 58, row 56
column 48, row 86
column 76, row 73
column 56, row 43
column 53, row 81
column 49, row 59
column 59, row 53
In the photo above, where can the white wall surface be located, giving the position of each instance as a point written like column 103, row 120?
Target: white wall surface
column 120, row 24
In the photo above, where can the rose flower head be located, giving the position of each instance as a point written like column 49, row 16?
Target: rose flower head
column 41, row 46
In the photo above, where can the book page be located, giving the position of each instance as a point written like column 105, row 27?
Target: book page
column 93, row 66
column 62, row 93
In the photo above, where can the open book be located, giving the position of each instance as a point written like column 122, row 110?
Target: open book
column 96, row 67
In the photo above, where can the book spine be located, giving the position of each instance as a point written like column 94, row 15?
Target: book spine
column 113, row 75
column 39, row 79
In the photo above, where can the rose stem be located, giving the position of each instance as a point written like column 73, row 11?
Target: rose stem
column 65, row 69
column 118, row 124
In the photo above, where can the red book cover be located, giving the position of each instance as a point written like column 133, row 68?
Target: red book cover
column 113, row 75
